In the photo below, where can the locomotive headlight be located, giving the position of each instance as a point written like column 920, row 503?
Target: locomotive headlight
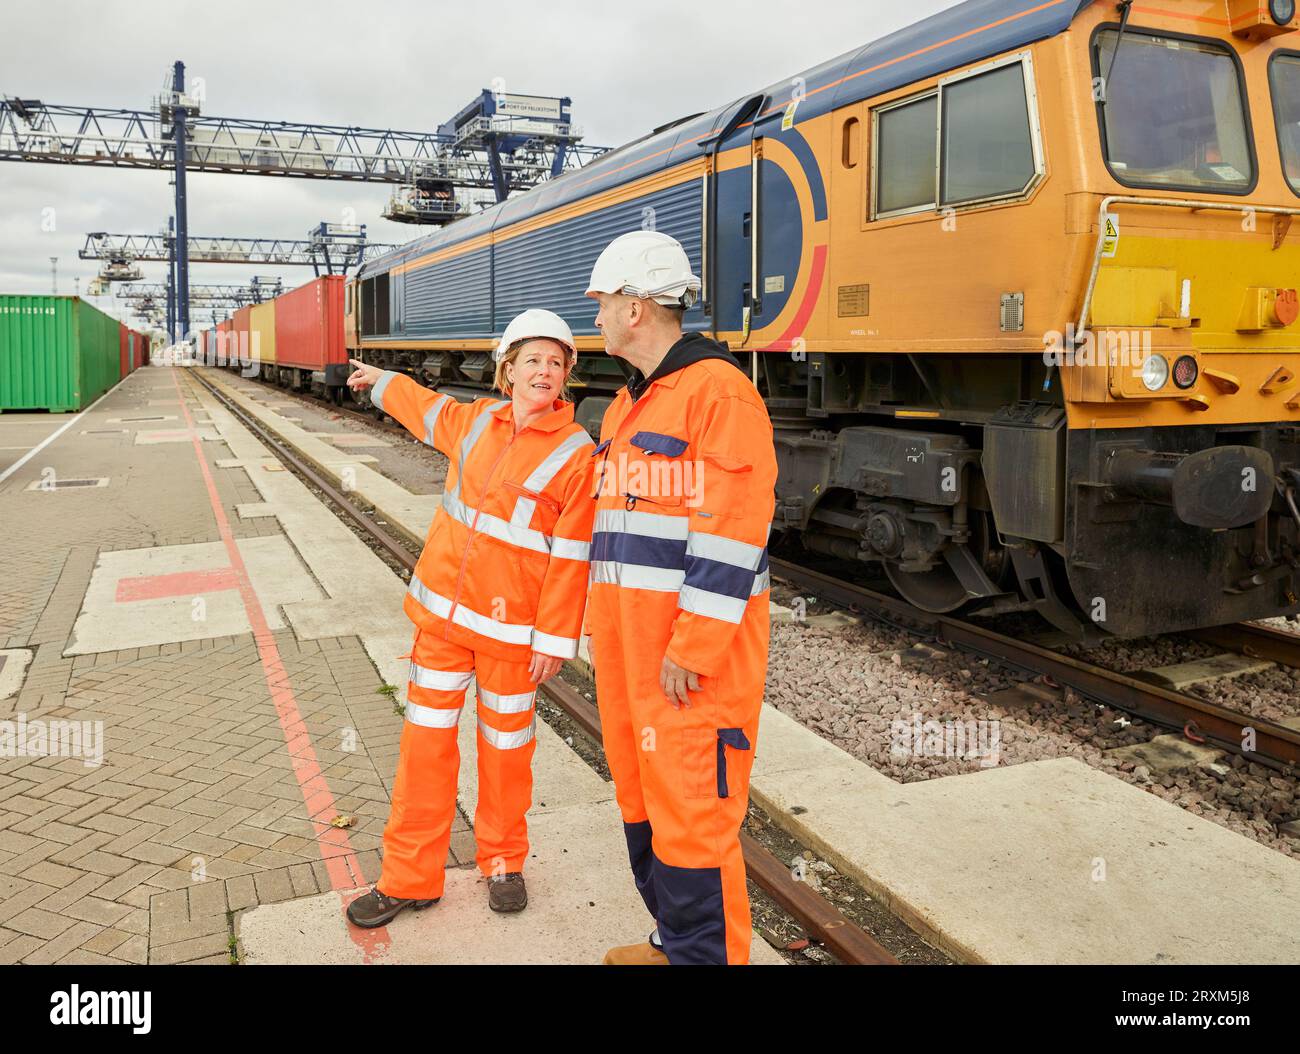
column 1155, row 372
column 1282, row 11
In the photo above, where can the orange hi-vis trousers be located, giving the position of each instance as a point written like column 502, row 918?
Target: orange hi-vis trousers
column 418, row 832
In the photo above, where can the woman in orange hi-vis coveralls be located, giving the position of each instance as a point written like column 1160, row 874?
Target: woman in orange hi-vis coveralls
column 497, row 596
column 686, row 473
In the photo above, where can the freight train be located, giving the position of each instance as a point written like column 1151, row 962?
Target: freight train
column 1018, row 284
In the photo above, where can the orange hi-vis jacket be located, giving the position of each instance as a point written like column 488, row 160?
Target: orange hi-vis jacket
column 504, row 567
column 685, row 484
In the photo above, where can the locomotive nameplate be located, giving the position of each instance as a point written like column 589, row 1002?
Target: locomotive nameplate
column 854, row 300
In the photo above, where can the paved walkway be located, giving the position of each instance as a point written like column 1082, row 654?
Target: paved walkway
column 200, row 621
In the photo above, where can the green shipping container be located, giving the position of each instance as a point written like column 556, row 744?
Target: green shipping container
column 56, row 353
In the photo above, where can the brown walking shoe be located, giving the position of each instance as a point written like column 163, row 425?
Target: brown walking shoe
column 507, row 892
column 376, row 909
column 644, row 954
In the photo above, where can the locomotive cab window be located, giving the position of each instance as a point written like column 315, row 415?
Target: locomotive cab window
column 905, row 149
column 972, row 141
column 1172, row 114
column 1284, row 75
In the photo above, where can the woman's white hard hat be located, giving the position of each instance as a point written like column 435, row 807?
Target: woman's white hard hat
column 646, row 264
column 531, row 324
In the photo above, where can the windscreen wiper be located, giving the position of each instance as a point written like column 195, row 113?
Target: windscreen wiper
column 1125, row 8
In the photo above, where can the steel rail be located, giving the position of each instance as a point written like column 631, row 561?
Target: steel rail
column 1275, row 745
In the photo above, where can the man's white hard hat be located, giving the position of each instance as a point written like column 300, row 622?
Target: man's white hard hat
column 531, row 324
column 646, row 264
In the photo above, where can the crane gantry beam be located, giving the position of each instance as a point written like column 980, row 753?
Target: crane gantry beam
column 343, row 253
column 209, row 295
column 32, row 130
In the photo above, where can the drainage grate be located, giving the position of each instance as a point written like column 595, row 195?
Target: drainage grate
column 106, row 432
column 125, row 419
column 66, row 484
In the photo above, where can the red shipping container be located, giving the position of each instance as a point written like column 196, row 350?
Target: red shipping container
column 226, row 351
column 309, row 329
column 123, row 351
column 239, row 345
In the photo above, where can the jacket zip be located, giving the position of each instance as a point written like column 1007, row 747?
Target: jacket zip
column 473, row 531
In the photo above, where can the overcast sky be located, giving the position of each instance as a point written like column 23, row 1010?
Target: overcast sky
column 376, row 64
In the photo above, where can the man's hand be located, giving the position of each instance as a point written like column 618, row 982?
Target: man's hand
column 542, row 668
column 676, row 681
column 363, row 376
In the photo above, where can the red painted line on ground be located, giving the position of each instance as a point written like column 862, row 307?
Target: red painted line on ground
column 335, row 846
column 177, row 584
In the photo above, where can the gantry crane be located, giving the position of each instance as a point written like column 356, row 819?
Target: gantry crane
column 258, row 291
column 332, row 246
column 501, row 142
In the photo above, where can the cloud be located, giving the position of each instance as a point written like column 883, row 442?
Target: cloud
column 403, row 65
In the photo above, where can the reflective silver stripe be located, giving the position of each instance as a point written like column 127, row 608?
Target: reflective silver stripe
column 650, row 524
column 506, row 740
column 471, row 437
column 570, row 549
column 762, row 583
column 724, row 550
column 540, row 478
column 558, row 647
column 637, row 576
column 523, row 514
column 431, row 417
column 524, row 537
column 506, row 704
column 433, row 716
column 377, row 392
column 436, row 604
column 714, row 605
column 440, row 680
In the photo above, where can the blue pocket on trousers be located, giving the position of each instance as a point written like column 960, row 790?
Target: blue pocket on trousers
column 728, row 737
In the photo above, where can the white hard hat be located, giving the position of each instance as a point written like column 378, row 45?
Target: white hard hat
column 646, row 264
column 535, row 322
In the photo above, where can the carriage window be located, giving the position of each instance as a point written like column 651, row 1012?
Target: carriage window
column 1284, row 72
column 988, row 151
column 1172, row 114
column 905, row 145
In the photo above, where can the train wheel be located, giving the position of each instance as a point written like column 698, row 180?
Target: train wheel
column 939, row 589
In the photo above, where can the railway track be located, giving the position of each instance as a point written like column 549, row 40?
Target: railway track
column 1276, row 745
column 819, row 918
column 346, row 408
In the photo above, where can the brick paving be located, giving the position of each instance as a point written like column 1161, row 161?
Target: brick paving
column 196, row 813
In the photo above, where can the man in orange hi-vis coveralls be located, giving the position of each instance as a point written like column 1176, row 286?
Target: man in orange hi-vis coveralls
column 497, row 596
column 678, row 612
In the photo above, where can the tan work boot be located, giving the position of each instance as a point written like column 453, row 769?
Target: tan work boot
column 643, row 954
